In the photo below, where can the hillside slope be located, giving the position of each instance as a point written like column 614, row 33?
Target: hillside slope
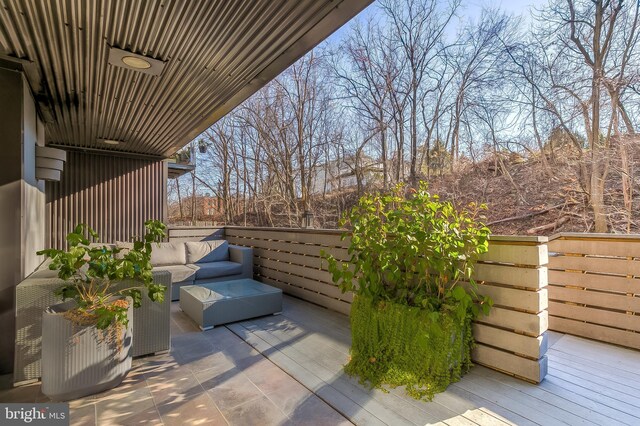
column 524, row 199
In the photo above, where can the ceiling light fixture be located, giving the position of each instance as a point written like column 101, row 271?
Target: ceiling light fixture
column 135, row 62
column 110, row 141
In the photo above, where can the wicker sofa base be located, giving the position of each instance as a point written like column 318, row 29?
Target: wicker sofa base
column 151, row 324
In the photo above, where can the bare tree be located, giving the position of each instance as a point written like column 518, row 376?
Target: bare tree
column 417, row 28
column 363, row 76
column 588, row 47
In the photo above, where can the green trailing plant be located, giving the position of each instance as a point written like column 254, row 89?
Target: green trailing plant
column 399, row 345
column 92, row 270
column 410, row 267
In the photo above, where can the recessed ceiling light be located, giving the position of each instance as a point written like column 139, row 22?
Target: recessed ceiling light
column 135, row 62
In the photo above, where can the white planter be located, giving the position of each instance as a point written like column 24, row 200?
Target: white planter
column 78, row 360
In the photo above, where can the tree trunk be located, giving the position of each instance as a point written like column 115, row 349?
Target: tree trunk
column 413, row 178
column 179, row 199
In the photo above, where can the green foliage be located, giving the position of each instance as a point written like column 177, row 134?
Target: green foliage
column 91, row 270
column 411, row 264
column 413, row 250
column 399, row 345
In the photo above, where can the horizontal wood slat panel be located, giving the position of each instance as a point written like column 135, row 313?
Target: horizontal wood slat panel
column 310, row 273
column 313, row 285
column 600, row 247
column 288, row 247
column 596, row 332
column 595, row 282
column 192, row 239
column 621, row 302
column 533, row 347
column 595, row 316
column 593, row 287
column 312, row 262
column 534, row 278
column 329, row 240
column 531, row 370
column 319, row 299
column 529, row 301
column 596, row 264
column 196, row 233
column 183, row 239
column 516, row 254
column 531, row 324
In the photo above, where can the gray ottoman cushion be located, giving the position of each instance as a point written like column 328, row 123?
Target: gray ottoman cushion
column 228, row 301
column 180, row 275
column 216, row 269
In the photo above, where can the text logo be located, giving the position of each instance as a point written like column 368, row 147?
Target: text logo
column 34, row 414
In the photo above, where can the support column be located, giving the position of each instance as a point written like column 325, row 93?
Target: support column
column 22, row 218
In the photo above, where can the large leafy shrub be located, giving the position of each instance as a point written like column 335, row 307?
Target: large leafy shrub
column 91, row 270
column 411, row 266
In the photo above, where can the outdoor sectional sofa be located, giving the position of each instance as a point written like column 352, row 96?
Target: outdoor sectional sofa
column 198, row 262
column 175, row 265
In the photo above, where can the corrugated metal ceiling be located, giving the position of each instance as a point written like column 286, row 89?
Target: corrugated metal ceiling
column 217, row 54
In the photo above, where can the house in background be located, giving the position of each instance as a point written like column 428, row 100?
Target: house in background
column 346, row 173
column 208, row 210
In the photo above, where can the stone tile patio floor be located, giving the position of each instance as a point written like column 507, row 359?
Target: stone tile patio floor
column 208, row 378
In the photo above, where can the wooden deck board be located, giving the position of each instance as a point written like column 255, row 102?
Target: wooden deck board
column 558, row 399
column 596, row 370
column 618, row 391
column 484, row 405
column 337, row 379
column 593, row 383
column 622, row 358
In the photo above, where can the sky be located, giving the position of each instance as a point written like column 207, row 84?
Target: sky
column 470, row 9
column 516, row 7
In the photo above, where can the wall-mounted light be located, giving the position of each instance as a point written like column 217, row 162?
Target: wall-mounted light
column 307, row 219
column 133, row 61
column 49, row 163
column 111, row 142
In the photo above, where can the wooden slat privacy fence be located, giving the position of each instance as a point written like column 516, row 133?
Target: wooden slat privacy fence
column 291, row 260
column 594, row 287
column 511, row 339
column 195, row 233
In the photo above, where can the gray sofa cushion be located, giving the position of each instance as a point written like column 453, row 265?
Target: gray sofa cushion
column 161, row 253
column 222, row 268
column 100, row 245
column 168, row 254
column 207, row 251
column 124, row 247
column 179, row 273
